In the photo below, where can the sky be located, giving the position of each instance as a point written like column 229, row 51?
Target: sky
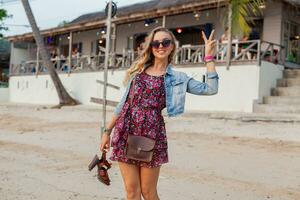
column 49, row 14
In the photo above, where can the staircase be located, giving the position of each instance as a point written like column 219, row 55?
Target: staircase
column 285, row 98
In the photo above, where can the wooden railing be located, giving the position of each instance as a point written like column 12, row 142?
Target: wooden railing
column 242, row 51
column 272, row 52
column 83, row 63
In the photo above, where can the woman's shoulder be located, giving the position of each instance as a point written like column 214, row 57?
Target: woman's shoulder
column 177, row 73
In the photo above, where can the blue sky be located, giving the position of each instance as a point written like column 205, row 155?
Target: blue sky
column 50, row 13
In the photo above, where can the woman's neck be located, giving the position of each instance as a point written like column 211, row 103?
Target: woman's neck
column 160, row 65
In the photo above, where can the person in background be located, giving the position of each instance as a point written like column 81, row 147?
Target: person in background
column 224, row 42
column 252, row 53
column 140, row 42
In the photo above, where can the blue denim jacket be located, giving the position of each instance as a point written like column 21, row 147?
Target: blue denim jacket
column 176, row 85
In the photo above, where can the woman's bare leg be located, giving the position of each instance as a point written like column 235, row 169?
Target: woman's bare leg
column 149, row 179
column 131, row 178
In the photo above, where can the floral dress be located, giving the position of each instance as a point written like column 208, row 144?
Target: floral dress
column 142, row 118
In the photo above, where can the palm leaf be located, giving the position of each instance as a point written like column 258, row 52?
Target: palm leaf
column 243, row 12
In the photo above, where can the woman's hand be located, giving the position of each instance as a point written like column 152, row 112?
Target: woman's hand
column 210, row 44
column 105, row 143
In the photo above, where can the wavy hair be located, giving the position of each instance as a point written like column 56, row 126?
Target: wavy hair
column 147, row 57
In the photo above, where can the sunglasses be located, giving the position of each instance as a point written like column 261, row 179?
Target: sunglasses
column 165, row 43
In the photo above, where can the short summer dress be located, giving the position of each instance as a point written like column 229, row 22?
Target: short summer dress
column 142, row 118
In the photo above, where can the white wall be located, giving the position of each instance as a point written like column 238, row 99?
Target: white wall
column 82, row 86
column 4, row 94
column 269, row 73
column 273, row 22
column 238, row 87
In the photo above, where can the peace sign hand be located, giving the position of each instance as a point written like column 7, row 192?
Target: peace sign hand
column 210, row 44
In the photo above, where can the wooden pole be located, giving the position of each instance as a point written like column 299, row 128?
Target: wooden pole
column 11, row 71
column 107, row 52
column 113, row 43
column 70, row 51
column 164, row 21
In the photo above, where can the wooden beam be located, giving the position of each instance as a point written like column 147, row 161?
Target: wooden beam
column 108, row 84
column 244, row 51
column 101, row 101
column 70, row 50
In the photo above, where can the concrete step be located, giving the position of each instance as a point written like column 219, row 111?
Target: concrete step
column 271, row 108
column 291, row 73
column 288, row 82
column 286, row 91
column 282, row 100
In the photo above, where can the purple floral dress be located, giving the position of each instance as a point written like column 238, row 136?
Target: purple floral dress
column 143, row 118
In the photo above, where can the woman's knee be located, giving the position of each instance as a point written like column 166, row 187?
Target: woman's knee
column 133, row 192
column 149, row 193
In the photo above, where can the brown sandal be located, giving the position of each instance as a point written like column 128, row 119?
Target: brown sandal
column 103, row 166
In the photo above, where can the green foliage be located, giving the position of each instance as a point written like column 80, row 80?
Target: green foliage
column 3, row 16
column 243, row 12
column 63, row 23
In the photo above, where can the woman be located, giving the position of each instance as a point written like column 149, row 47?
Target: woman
column 157, row 85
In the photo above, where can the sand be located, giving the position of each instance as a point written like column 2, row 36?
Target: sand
column 44, row 154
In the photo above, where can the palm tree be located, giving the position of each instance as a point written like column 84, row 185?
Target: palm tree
column 64, row 97
column 239, row 19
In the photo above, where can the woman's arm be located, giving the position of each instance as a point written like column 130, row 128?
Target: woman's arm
column 105, row 140
column 210, row 87
column 212, row 78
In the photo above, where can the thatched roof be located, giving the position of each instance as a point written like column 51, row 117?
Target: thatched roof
column 131, row 13
column 148, row 6
column 135, row 8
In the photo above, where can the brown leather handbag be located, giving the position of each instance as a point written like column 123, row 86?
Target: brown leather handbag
column 138, row 147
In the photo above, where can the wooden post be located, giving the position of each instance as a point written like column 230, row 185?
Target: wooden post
column 258, row 53
column 113, row 44
column 218, row 49
column 11, row 71
column 107, row 53
column 272, row 53
column 236, row 49
column 164, row 21
column 58, row 61
column 70, row 51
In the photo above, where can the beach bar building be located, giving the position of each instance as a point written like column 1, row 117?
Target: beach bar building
column 254, row 81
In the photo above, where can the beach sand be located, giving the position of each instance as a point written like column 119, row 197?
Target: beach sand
column 44, row 154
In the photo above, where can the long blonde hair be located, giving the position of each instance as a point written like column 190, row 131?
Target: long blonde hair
column 147, row 57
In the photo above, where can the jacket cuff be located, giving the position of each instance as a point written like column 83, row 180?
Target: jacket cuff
column 212, row 75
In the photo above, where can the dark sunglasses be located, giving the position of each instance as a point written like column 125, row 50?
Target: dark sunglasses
column 165, row 43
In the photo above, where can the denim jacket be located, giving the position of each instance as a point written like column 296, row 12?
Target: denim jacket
column 176, row 85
